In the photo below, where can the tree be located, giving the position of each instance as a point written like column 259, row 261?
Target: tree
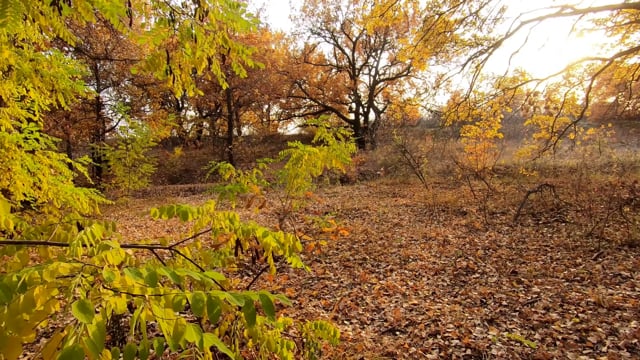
column 361, row 49
column 247, row 103
column 34, row 79
column 614, row 94
column 618, row 21
column 109, row 56
column 82, row 270
column 129, row 160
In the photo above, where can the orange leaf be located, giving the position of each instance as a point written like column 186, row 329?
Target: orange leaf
column 290, row 292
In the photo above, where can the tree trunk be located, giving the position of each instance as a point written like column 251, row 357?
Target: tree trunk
column 230, row 126
column 358, row 131
column 97, row 142
column 359, row 135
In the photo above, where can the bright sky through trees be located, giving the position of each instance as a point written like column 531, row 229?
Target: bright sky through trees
column 549, row 48
column 276, row 12
column 551, row 45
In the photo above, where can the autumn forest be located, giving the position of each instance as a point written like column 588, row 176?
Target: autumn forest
column 385, row 179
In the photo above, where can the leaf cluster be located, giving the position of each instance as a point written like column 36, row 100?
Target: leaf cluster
column 64, row 271
column 129, row 161
column 292, row 173
column 178, row 285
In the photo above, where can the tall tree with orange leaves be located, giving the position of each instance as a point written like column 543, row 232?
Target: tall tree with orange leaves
column 360, row 49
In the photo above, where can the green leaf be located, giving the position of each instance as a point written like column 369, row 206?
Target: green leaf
column 151, row 279
column 143, row 350
column 97, row 336
column 172, row 275
column 267, row 306
column 130, row 351
column 115, row 353
column 198, row 303
column 83, row 310
column 6, row 294
column 166, row 212
column 216, row 276
column 214, row 308
column 212, row 340
column 108, row 275
column 185, row 214
column 11, row 346
column 178, row 333
column 193, row 334
column 249, row 311
column 134, row 273
column 235, row 299
column 158, row 346
column 283, row 299
column 73, row 352
column 178, row 302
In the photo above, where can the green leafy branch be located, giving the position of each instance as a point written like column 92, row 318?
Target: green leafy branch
column 153, row 248
column 297, row 168
column 129, row 161
column 96, row 280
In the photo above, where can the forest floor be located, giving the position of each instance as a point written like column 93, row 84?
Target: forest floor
column 410, row 273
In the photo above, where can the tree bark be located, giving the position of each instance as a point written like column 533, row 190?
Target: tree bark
column 230, row 126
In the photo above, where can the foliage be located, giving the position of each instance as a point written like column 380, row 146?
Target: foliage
column 480, row 114
column 239, row 182
column 129, row 161
column 303, row 163
column 96, row 279
column 552, row 115
column 36, row 179
column 31, row 83
column 361, row 52
column 300, row 165
column 64, row 271
column 108, row 57
column 614, row 94
column 603, row 84
column 247, row 103
column 480, row 130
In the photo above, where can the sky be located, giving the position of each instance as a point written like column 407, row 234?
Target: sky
column 549, row 49
column 551, row 45
column 277, row 12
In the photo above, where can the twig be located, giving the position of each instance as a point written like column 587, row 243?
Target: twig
column 149, row 247
column 194, row 236
column 158, row 257
column 597, row 255
column 540, row 188
column 256, row 277
column 37, row 243
column 531, row 301
column 118, row 291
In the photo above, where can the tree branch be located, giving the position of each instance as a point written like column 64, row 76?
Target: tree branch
column 149, row 247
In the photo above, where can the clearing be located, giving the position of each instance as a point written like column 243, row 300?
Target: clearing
column 417, row 274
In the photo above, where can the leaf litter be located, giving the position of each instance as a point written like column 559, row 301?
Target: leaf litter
column 406, row 279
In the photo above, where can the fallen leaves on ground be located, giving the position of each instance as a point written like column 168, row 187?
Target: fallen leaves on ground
column 405, row 277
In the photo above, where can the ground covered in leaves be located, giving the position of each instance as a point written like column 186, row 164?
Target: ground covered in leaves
column 410, row 273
